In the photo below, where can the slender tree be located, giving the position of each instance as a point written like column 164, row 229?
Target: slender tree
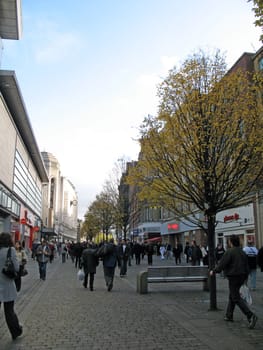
column 202, row 153
column 258, row 11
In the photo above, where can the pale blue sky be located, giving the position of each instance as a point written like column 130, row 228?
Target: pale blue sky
column 88, row 71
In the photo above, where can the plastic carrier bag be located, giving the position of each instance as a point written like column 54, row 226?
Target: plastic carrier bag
column 245, row 294
column 80, row 275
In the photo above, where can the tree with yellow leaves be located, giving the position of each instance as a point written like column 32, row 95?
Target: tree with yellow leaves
column 202, row 153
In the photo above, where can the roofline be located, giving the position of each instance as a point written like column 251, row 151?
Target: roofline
column 11, row 19
column 11, row 93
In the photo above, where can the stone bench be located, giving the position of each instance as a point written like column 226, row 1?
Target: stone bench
column 166, row 274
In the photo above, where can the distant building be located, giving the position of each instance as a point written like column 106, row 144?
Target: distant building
column 60, row 209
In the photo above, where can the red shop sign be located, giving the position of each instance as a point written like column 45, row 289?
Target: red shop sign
column 231, row 217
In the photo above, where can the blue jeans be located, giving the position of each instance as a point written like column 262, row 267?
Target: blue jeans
column 252, row 278
column 42, row 270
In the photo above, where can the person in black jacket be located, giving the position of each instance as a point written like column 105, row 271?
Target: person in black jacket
column 109, row 258
column 89, row 262
column 123, row 256
column 235, row 266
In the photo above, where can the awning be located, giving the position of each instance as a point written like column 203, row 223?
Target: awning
column 154, row 240
column 48, row 231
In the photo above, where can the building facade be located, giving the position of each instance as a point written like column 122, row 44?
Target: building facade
column 60, row 209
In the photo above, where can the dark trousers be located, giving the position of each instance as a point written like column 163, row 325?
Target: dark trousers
column 42, row 270
column 123, row 270
column 150, row 259
column 137, row 259
column 77, row 261
column 109, row 275
column 234, row 283
column 11, row 318
column 90, row 276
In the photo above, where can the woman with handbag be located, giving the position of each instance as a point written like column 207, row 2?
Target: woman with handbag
column 21, row 257
column 8, row 293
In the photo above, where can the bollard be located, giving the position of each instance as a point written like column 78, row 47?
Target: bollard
column 142, row 284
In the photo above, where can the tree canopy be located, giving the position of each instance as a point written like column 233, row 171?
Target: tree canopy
column 202, row 153
column 204, row 148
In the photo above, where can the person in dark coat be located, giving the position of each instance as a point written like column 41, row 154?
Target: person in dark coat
column 77, row 253
column 196, row 254
column 234, row 263
column 123, row 256
column 137, row 249
column 187, row 252
column 177, row 254
column 109, row 258
column 89, row 262
column 149, row 252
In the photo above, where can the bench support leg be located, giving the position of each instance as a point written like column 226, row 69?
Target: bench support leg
column 206, row 285
column 142, row 284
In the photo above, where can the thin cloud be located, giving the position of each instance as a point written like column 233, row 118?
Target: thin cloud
column 57, row 48
column 53, row 45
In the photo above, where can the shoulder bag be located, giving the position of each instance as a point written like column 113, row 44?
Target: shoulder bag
column 9, row 269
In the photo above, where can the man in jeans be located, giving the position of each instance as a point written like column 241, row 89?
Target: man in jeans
column 252, row 253
column 235, row 266
column 43, row 253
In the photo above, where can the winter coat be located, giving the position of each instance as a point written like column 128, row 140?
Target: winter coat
column 123, row 253
column 89, row 260
column 110, row 259
column 233, row 262
column 7, row 286
column 43, row 253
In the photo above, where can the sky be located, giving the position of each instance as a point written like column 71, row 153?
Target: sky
column 88, row 71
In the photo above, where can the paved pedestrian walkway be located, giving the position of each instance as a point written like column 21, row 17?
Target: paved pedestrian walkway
column 60, row 314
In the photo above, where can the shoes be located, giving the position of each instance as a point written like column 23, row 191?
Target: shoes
column 91, row 289
column 84, row 285
column 110, row 287
column 252, row 321
column 18, row 334
column 228, row 319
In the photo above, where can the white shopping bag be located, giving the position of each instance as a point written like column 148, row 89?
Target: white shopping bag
column 80, row 275
column 245, row 294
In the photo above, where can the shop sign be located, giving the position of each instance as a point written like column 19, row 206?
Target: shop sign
column 173, row 227
column 233, row 217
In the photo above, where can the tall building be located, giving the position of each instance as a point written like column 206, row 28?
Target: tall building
column 22, row 171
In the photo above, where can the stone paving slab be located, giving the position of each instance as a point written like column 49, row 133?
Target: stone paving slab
column 60, row 314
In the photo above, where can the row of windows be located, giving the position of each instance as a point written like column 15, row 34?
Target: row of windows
column 25, row 186
column 8, row 202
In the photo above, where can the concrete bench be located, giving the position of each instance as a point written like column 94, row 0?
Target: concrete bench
column 166, row 274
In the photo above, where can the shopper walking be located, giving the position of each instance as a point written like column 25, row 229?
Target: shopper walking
column 123, row 257
column 235, row 266
column 109, row 258
column 8, row 293
column 42, row 254
column 89, row 263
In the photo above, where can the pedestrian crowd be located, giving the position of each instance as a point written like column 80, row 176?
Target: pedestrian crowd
column 238, row 265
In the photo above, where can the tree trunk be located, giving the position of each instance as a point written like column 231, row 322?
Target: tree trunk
column 211, row 254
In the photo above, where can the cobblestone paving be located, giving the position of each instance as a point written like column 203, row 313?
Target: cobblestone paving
column 60, row 314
